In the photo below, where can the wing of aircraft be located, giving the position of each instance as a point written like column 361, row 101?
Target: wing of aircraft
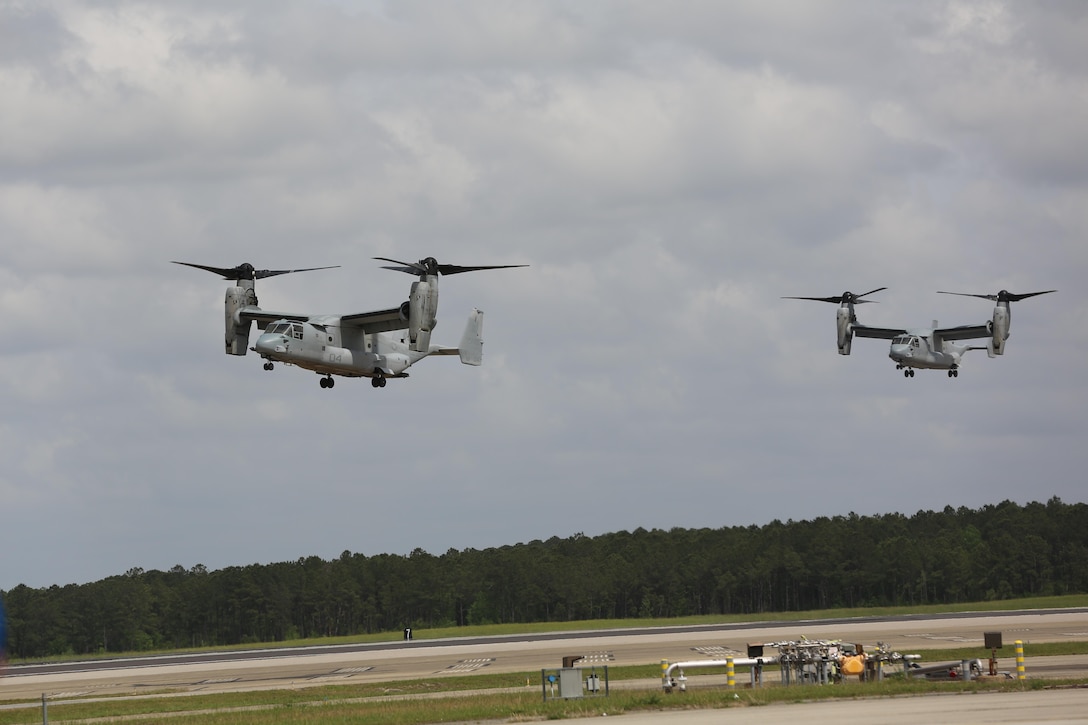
column 378, row 321
column 964, row 332
column 263, row 317
column 884, row 333
column 369, row 322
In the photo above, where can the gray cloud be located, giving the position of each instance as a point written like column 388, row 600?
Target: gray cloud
column 669, row 173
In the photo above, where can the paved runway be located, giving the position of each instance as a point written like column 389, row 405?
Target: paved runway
column 426, row 658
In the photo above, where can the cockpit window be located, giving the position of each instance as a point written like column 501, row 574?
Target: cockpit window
column 294, row 329
column 901, row 340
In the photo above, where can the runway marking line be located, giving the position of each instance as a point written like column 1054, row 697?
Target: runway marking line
column 331, row 676
column 717, row 652
column 469, row 665
column 597, row 657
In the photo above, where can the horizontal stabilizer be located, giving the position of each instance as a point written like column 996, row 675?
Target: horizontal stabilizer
column 989, row 348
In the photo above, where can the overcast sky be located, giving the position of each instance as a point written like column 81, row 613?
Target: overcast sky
column 668, row 170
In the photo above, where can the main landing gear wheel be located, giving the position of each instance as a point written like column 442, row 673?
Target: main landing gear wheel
column 908, row 373
column 377, row 382
column 327, row 382
column 268, row 366
column 953, row 373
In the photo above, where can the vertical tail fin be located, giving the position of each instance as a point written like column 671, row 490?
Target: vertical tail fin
column 471, row 349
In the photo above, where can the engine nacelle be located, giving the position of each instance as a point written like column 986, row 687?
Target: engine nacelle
column 1000, row 327
column 237, row 331
column 422, row 314
column 844, row 320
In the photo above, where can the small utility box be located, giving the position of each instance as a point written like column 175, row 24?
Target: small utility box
column 567, row 682
column 570, row 682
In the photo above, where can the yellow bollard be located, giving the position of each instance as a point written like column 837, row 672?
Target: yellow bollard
column 664, row 669
column 729, row 673
column 1020, row 674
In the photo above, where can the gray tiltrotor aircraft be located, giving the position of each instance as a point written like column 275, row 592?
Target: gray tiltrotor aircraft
column 377, row 345
column 931, row 347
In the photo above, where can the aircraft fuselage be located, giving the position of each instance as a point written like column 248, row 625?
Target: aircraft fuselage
column 326, row 348
column 915, row 351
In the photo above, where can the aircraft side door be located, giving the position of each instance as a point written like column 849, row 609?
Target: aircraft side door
column 294, row 338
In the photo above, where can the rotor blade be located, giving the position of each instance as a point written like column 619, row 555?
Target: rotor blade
column 968, row 294
column 1002, row 296
column 839, row 299
column 246, row 270
column 224, row 272
column 1017, row 298
column 409, row 267
column 431, row 266
column 261, row 274
column 448, row 269
column 845, row 297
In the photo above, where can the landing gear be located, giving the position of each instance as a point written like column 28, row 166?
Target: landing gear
column 953, row 373
column 268, row 366
column 377, row 382
column 327, row 382
column 908, row 373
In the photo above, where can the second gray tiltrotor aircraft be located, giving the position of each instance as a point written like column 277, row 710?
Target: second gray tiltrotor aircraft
column 931, row 347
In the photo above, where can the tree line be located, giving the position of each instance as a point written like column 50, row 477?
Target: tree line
column 932, row 557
